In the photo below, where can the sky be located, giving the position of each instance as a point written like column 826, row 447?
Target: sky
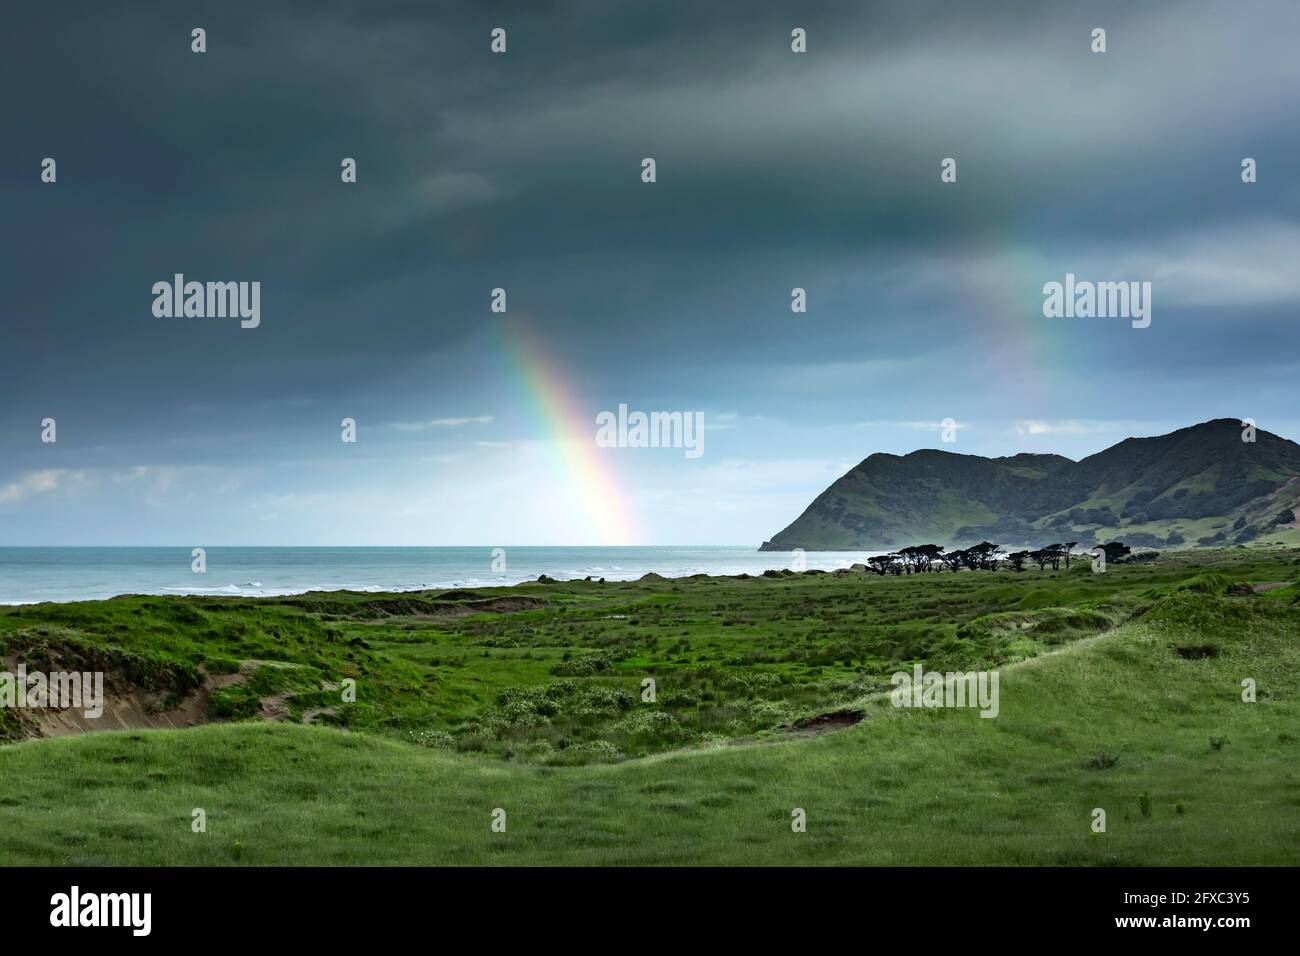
column 522, row 170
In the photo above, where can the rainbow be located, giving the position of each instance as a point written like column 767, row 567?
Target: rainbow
column 571, row 434
column 1015, row 334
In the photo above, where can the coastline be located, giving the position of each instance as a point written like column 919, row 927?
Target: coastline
column 62, row 575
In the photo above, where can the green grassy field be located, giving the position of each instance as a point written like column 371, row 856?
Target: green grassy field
column 1120, row 691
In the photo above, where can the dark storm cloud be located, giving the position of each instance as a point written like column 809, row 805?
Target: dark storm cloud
column 775, row 170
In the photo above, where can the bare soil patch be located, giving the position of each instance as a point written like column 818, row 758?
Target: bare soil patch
column 825, row 723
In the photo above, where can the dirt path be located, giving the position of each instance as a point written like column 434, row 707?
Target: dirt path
column 836, row 721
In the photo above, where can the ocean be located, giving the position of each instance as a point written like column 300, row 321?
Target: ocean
column 31, row 575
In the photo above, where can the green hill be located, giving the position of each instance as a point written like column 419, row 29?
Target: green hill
column 1145, row 721
column 1201, row 485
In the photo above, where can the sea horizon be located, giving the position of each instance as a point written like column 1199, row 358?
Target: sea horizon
column 33, row 574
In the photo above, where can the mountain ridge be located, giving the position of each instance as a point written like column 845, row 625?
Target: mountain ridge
column 1199, row 485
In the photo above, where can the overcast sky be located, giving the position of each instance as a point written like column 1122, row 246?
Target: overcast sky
column 523, row 170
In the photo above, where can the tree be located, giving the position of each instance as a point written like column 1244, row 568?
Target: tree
column 1017, row 560
column 880, row 563
column 1069, row 549
column 928, row 554
column 987, row 555
column 920, row 558
column 1054, row 554
column 953, row 560
column 1115, row 551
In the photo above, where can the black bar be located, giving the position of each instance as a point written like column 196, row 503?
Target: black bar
column 333, row 905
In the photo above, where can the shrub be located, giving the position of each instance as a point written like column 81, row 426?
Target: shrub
column 1208, row 583
column 584, row 666
column 235, row 702
column 1102, row 760
column 431, row 738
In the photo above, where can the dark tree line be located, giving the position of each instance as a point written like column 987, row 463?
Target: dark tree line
column 985, row 556
column 923, row 558
column 1053, row 554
